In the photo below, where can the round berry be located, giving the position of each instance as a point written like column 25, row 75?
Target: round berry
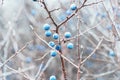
column 48, row 33
column 109, row 27
column 31, row 47
column 55, row 36
column 46, row 27
column 34, row 0
column 97, row 14
column 53, row 53
column 73, row 6
column 28, row 59
column 68, row 12
column 103, row 15
column 70, row 46
column 57, row 47
column 117, row 26
column 40, row 47
column 52, row 77
column 51, row 43
column 111, row 53
column 62, row 17
column 67, row 35
column 33, row 12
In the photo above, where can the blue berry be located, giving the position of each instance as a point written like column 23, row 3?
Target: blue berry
column 33, row 12
column 34, row 0
column 55, row 36
column 48, row 33
column 31, row 47
column 89, row 64
column 67, row 34
column 51, row 43
column 103, row 15
column 73, row 6
column 62, row 17
column 53, row 53
column 52, row 77
column 68, row 12
column 109, row 27
column 70, row 46
column 111, row 53
column 114, row 9
column 46, row 27
column 28, row 59
column 40, row 47
column 117, row 26
column 57, row 47
column 118, row 14
column 97, row 14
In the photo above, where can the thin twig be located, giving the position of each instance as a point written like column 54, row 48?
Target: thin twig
column 93, row 3
column 78, row 42
column 106, row 73
column 100, row 42
column 46, row 66
column 55, row 10
column 41, row 58
column 15, row 54
column 39, row 71
column 18, row 72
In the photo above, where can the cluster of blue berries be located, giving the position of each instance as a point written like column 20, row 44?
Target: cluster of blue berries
column 48, row 33
column 55, row 36
column 46, row 27
column 69, row 45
